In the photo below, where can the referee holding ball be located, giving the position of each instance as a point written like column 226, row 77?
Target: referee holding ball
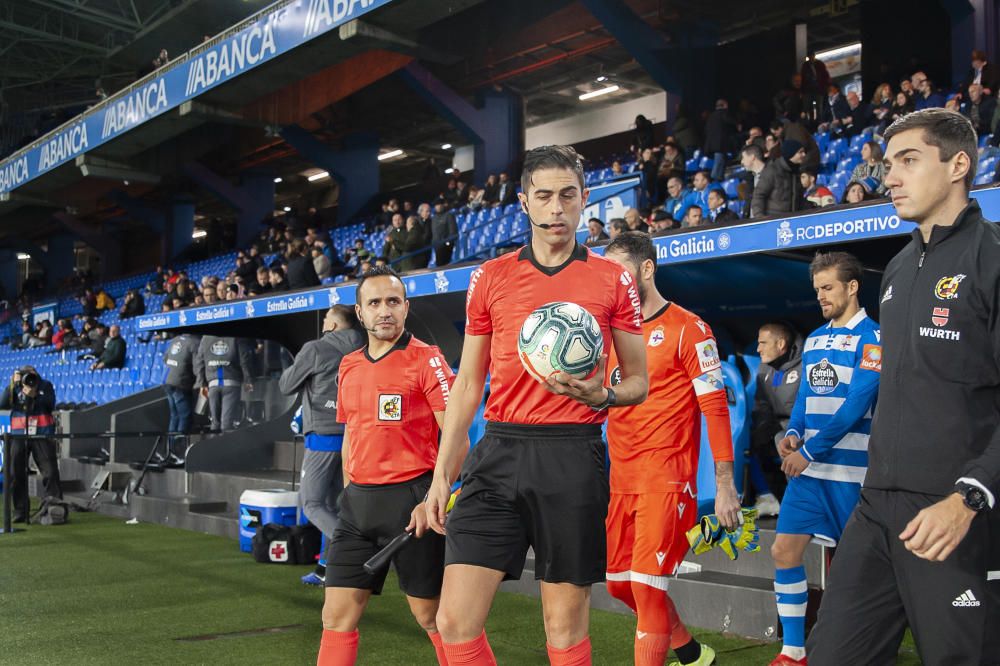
column 922, row 548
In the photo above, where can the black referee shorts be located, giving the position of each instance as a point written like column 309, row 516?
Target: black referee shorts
column 370, row 517
column 540, row 486
column 877, row 587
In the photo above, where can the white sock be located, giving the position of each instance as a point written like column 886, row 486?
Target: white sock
column 793, row 652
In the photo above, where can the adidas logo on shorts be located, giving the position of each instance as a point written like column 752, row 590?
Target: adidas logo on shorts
column 966, row 599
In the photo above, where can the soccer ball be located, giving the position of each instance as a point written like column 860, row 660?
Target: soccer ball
column 560, row 337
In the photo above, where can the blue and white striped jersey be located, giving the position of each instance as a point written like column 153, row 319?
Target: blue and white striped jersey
column 833, row 411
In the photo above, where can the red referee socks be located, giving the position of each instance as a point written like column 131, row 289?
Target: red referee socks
column 476, row 652
column 338, row 648
column 438, row 643
column 576, row 655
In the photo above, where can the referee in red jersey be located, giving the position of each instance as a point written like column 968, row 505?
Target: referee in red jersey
column 537, row 479
column 391, row 397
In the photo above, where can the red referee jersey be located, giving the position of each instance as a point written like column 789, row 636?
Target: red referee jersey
column 388, row 405
column 505, row 290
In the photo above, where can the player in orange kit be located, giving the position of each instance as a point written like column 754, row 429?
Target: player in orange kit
column 654, row 461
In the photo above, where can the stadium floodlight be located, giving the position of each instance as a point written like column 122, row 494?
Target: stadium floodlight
column 23, row 257
column 601, row 79
column 449, row 170
column 389, row 155
column 278, row 179
column 318, row 176
column 199, row 233
column 287, row 209
column 597, row 93
column 445, row 146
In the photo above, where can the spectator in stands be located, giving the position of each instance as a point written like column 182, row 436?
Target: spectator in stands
column 792, row 129
column 476, row 198
column 661, row 222
column 685, row 132
column 692, row 217
column 220, row 290
column 815, row 81
column 643, row 137
column 300, row 273
column 906, row 87
column 156, row 284
column 444, row 230
column 778, row 189
column 450, row 194
column 926, row 96
column 648, row 166
column 422, row 235
column 856, row 192
column 752, row 159
column 113, row 355
column 902, row 106
column 208, row 294
column 790, row 101
column 615, row 227
column 698, row 196
column 871, row 165
column 616, row 168
column 363, row 267
column 755, row 135
column 881, row 105
column 835, row 109
column 491, row 190
column 979, row 109
column 861, row 115
column 461, row 192
column 63, row 335
column 276, row 276
column 671, row 166
column 261, row 283
column 634, row 221
column 104, row 301
column 133, row 305
column 395, row 238
column 97, row 336
column 42, row 336
column 234, row 292
column 982, row 73
column 88, row 303
column 720, row 130
column 675, row 197
column 246, row 268
column 506, row 192
column 321, row 264
column 718, row 207
column 814, row 195
column 596, row 229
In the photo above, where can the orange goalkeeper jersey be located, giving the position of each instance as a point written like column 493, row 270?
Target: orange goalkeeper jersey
column 654, row 445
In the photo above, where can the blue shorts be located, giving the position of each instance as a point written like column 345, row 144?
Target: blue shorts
column 817, row 507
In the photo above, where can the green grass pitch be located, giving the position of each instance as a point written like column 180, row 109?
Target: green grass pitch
column 98, row 591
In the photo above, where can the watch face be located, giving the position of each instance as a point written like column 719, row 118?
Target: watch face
column 976, row 499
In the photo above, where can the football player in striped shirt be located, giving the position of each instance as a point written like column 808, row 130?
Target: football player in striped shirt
column 825, row 451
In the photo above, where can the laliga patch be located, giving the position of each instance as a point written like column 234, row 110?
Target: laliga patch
column 823, row 378
column 946, row 288
column 390, row 407
column 708, row 354
column 939, row 316
column 656, row 337
column 871, row 358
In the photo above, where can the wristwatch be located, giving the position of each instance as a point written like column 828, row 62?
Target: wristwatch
column 973, row 496
column 610, row 401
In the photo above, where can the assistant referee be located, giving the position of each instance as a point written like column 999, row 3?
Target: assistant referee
column 922, row 548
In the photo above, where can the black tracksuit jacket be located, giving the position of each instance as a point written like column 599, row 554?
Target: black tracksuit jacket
column 938, row 415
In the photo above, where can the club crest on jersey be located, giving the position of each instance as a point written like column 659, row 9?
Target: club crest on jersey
column 708, row 354
column 656, row 337
column 946, row 288
column 390, row 407
column 175, row 349
column 823, row 378
column 939, row 316
column 845, row 342
column 220, row 348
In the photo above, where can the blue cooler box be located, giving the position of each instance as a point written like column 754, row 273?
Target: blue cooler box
column 260, row 507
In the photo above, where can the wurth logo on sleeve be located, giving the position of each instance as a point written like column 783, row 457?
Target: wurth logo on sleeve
column 438, row 365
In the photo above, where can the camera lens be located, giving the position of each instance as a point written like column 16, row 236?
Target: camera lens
column 30, row 380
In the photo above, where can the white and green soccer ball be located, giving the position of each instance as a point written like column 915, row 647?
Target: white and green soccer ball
column 560, row 337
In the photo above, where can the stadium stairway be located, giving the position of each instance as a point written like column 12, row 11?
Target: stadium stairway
column 712, row 592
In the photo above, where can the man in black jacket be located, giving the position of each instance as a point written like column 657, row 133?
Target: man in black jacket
column 719, row 131
column 779, row 189
column 179, row 387
column 443, row 230
column 31, row 400
column 922, row 548
column 301, row 272
column 113, row 355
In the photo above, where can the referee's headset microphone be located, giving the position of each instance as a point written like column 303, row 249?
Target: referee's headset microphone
column 540, row 226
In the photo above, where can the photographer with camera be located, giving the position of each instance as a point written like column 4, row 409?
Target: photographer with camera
column 31, row 400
